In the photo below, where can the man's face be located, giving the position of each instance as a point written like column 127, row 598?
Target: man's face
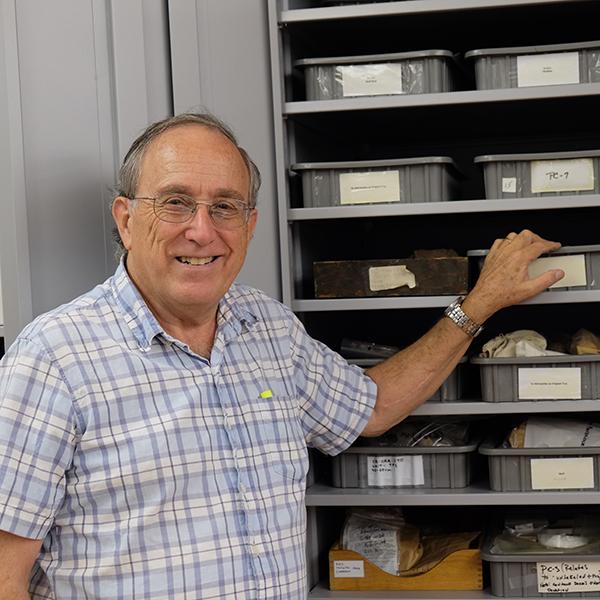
column 202, row 163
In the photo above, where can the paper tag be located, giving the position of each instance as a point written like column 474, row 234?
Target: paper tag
column 565, row 577
column 509, row 185
column 348, row 568
column 371, row 80
column 370, row 187
column 573, row 266
column 390, row 277
column 568, row 175
column 550, row 383
column 547, row 69
column 562, row 473
column 391, row 471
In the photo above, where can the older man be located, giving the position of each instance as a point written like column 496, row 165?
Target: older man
column 154, row 431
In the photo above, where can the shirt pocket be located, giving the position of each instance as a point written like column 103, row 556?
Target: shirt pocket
column 279, row 445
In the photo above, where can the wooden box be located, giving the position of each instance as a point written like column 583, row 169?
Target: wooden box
column 460, row 570
column 422, row 276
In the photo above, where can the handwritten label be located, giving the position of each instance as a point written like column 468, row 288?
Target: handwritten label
column 562, row 473
column 370, row 187
column 573, row 266
column 509, row 185
column 547, row 69
column 371, row 80
column 395, row 471
column 550, row 383
column 569, row 175
column 566, row 577
column 348, row 568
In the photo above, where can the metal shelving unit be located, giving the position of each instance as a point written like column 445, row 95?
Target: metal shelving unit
column 461, row 124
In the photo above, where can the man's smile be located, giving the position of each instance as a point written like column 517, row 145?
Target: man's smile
column 193, row 260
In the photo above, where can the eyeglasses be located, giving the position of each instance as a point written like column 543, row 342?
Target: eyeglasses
column 226, row 213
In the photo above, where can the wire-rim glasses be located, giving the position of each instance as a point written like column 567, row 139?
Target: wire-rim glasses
column 225, row 213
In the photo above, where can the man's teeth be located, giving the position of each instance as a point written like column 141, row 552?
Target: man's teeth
column 192, row 260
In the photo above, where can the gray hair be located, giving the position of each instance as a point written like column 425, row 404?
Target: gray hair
column 129, row 173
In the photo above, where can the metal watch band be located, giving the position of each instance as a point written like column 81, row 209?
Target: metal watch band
column 458, row 316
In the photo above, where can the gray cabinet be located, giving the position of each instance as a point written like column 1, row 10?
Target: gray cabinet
column 462, row 124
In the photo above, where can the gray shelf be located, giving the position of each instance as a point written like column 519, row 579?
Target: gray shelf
column 471, row 97
column 506, row 408
column 322, row 592
column 477, row 494
column 439, row 208
column 399, row 8
column 337, row 304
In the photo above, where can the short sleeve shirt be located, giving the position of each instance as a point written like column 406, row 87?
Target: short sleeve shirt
column 151, row 472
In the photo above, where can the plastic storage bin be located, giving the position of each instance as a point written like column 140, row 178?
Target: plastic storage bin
column 419, row 72
column 556, row 575
column 527, row 66
column 540, row 174
column 393, row 467
column 406, row 180
column 581, row 265
column 542, row 469
column 568, row 377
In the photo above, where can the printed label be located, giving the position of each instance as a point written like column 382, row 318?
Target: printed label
column 562, row 473
column 550, row 383
column 573, row 266
column 370, row 188
column 390, row 277
column 569, row 175
column 371, row 80
column 547, row 69
column 385, row 471
column 565, row 577
column 348, row 568
column 509, row 185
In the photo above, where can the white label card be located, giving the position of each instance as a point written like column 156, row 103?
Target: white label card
column 371, row 80
column 566, row 577
column 547, row 69
column 562, row 473
column 390, row 277
column 550, row 383
column 391, row 471
column 370, row 187
column 573, row 266
column 348, row 568
column 509, row 185
column 565, row 175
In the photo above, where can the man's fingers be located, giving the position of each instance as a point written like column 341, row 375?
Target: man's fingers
column 542, row 282
column 538, row 248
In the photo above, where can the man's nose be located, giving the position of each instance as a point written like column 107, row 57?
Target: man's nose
column 200, row 228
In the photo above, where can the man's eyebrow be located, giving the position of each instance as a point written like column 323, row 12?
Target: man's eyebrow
column 219, row 193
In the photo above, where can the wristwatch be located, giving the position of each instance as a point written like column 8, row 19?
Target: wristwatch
column 457, row 315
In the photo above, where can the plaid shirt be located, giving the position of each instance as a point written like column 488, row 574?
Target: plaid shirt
column 151, row 472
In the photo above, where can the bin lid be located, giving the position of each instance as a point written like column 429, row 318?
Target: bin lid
column 373, row 58
column 533, row 49
column 560, row 251
column 358, row 164
column 537, row 156
column 490, row 448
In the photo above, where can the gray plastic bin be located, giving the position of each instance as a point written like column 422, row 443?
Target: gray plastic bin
column 591, row 258
column 405, row 180
column 526, row 66
column 419, row 72
column 540, row 174
column 512, row 470
column 365, row 467
column 514, row 379
column 450, row 391
column 518, row 575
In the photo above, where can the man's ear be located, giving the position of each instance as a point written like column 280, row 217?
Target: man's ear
column 121, row 212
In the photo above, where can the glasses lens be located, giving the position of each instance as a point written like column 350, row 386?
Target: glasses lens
column 175, row 209
column 228, row 214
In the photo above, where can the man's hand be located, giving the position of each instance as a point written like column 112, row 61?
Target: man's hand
column 17, row 555
column 504, row 279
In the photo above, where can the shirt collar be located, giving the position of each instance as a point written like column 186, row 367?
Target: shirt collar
column 232, row 315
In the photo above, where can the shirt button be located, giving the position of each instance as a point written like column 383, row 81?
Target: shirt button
column 238, row 454
column 255, row 548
